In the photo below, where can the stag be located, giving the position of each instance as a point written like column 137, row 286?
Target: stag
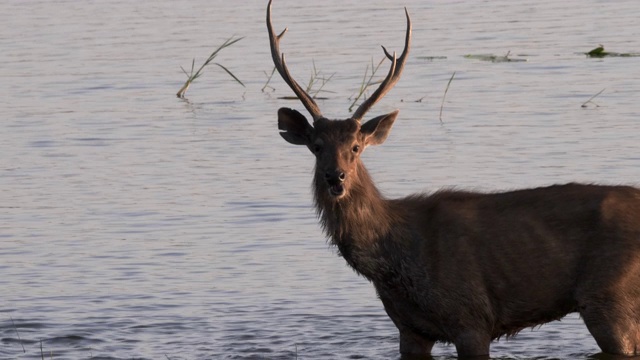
column 466, row 267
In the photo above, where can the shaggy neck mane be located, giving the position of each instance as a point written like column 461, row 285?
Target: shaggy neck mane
column 359, row 221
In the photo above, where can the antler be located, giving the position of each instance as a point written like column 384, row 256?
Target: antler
column 392, row 78
column 281, row 65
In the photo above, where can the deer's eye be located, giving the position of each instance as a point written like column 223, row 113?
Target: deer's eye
column 316, row 148
column 356, row 149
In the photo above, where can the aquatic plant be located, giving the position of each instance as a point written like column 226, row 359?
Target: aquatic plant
column 494, row 58
column 584, row 105
column 431, row 58
column 269, row 76
column 600, row 53
column 191, row 76
column 317, row 79
column 316, row 84
column 366, row 82
column 17, row 333
column 445, row 94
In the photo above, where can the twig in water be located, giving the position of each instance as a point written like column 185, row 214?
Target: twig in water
column 445, row 94
column 266, row 85
column 366, row 82
column 191, row 77
column 41, row 352
column 584, row 105
column 17, row 333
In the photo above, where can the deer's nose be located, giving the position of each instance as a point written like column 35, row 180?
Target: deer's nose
column 335, row 176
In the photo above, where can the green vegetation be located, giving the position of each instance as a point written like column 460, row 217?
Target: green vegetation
column 191, row 76
column 600, row 53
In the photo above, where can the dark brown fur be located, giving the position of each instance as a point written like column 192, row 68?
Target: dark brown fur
column 467, row 268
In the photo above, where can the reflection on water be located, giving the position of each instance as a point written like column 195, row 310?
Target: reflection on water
column 137, row 225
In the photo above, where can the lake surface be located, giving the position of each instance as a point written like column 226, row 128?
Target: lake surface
column 136, row 225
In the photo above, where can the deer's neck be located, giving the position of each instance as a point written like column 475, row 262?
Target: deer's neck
column 360, row 223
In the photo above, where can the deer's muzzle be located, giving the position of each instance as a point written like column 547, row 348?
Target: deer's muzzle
column 335, row 181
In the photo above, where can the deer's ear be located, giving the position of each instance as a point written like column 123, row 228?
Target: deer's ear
column 295, row 127
column 376, row 130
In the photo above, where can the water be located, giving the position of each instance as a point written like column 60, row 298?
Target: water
column 137, row 225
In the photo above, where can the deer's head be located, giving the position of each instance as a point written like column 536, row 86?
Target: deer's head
column 337, row 144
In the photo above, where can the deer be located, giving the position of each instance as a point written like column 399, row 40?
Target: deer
column 467, row 268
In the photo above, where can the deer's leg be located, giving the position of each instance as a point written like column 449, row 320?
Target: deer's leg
column 411, row 343
column 612, row 315
column 414, row 344
column 615, row 327
column 473, row 344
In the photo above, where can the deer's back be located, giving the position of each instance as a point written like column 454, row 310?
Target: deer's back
column 516, row 259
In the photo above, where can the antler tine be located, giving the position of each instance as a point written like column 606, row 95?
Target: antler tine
column 392, row 78
column 281, row 65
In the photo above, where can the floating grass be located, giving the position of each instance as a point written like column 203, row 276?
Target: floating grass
column 597, row 52
column 431, row 58
column 494, row 58
column 445, row 94
column 367, row 81
column 600, row 53
column 191, row 76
